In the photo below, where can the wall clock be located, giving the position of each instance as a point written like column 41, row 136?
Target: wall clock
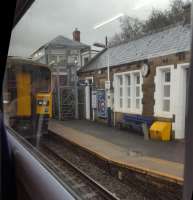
column 144, row 70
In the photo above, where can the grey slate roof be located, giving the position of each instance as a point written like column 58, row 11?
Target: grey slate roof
column 63, row 42
column 173, row 40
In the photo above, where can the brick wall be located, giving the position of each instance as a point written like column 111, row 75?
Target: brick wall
column 148, row 86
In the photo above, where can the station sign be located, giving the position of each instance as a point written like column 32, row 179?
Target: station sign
column 101, row 104
column 82, row 83
column 107, row 85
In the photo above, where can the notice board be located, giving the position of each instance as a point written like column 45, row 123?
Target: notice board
column 101, row 103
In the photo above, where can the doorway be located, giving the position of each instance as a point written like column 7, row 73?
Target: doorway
column 181, row 100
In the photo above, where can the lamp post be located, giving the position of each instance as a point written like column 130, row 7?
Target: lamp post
column 108, row 82
column 76, row 89
column 108, row 85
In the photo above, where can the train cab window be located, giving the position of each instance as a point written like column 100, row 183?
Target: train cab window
column 87, row 87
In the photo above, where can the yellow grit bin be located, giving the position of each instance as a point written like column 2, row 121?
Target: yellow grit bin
column 161, row 130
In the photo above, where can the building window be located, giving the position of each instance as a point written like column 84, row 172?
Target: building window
column 128, row 86
column 128, row 92
column 62, row 60
column 63, row 80
column 137, row 90
column 163, row 92
column 73, row 52
column 72, row 59
column 52, row 59
column 166, row 90
column 181, row 56
column 85, row 60
column 120, row 82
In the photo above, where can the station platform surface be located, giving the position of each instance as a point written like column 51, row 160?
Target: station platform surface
column 156, row 158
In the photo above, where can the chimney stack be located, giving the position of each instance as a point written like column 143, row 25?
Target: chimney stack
column 76, row 35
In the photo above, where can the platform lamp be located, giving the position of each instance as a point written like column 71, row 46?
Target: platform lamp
column 108, row 82
column 76, row 88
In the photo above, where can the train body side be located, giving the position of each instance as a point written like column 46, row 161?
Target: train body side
column 28, row 85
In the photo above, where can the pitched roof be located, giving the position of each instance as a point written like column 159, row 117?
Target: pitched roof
column 63, row 42
column 24, row 61
column 173, row 40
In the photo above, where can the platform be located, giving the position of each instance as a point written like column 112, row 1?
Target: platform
column 160, row 159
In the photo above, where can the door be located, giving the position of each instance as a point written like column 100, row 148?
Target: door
column 184, row 98
column 23, row 94
column 181, row 97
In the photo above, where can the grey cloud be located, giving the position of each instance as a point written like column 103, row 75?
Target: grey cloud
column 48, row 18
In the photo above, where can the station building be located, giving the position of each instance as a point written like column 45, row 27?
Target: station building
column 64, row 56
column 149, row 77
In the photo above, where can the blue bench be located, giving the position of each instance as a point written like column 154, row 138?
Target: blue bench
column 136, row 122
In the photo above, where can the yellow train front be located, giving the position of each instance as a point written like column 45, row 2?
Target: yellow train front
column 28, row 89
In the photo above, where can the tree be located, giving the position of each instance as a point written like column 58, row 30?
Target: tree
column 116, row 40
column 130, row 29
column 134, row 28
column 176, row 13
column 157, row 20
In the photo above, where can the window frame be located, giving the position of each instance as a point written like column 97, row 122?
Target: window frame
column 128, row 88
column 137, row 85
column 159, row 91
column 120, row 85
column 166, row 83
column 125, row 108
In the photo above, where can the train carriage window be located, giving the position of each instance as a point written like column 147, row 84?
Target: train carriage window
column 126, row 128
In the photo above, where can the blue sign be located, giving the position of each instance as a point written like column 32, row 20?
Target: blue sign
column 101, row 104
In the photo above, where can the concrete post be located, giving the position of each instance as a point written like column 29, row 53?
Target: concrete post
column 76, row 93
column 58, row 93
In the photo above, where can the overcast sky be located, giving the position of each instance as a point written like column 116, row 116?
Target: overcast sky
column 47, row 19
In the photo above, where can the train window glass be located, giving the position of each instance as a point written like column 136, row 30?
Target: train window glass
column 126, row 128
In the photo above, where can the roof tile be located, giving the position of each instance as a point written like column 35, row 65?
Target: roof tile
column 170, row 41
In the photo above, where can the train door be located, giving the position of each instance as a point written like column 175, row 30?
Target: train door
column 23, row 80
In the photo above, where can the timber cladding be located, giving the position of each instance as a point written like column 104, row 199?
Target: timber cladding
column 148, row 87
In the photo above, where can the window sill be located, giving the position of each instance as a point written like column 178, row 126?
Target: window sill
column 164, row 115
column 134, row 112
